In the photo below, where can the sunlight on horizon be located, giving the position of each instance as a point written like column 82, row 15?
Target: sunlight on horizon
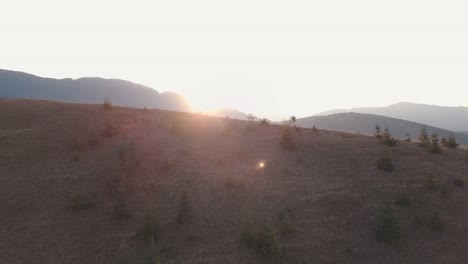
column 263, row 57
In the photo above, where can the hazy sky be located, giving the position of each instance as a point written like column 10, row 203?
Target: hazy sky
column 273, row 58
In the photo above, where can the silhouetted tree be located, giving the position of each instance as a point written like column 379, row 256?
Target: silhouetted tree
column 265, row 121
column 293, row 119
column 378, row 132
column 452, row 142
column 387, row 138
column 251, row 117
column 107, row 105
column 434, row 146
column 424, row 137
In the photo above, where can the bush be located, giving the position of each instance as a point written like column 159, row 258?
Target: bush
column 81, row 201
column 150, row 230
column 93, row 139
column 378, row 132
column 403, row 200
column 435, row 223
column 431, row 183
column 109, row 130
column 75, row 144
column 424, row 137
column 287, row 141
column 451, row 142
column 265, row 121
column 285, row 220
column 249, row 231
column 314, row 128
column 385, row 163
column 268, row 244
column 388, row 228
column 121, row 211
column 107, row 105
column 458, row 182
column 434, row 146
column 185, row 215
column 387, row 138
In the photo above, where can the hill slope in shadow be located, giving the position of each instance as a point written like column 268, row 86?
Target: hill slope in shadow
column 200, row 177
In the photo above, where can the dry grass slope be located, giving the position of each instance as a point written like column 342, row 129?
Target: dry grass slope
column 327, row 192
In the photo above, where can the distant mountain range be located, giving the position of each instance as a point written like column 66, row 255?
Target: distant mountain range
column 88, row 90
column 365, row 123
column 450, row 118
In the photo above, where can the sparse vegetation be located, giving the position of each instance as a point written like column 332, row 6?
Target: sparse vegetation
column 93, row 139
column 424, row 137
column 378, row 132
column 451, row 142
column 109, row 130
column 81, row 201
column 403, row 200
column 265, row 121
column 458, row 182
column 287, row 141
column 434, row 146
column 76, row 144
column 107, row 105
column 286, row 221
column 268, row 243
column 385, row 162
column 150, row 229
column 185, row 213
column 387, row 138
column 435, row 223
column 388, row 227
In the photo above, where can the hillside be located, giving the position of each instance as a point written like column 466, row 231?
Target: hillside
column 450, row 118
column 70, row 197
column 87, row 90
column 365, row 123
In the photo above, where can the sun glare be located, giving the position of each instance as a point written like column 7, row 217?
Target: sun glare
column 261, row 165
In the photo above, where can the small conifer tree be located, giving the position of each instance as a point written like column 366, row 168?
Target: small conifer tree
column 434, row 146
column 451, row 142
column 424, row 137
column 378, row 132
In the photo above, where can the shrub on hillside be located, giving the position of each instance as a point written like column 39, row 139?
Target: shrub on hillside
column 424, row 137
column 93, row 139
column 287, row 141
column 378, row 132
column 150, row 229
column 81, row 201
column 107, row 105
column 458, row 182
column 385, row 162
column 184, row 215
column 248, row 232
column 75, row 144
column 315, row 129
column 451, row 142
column 403, row 199
column 121, row 210
column 435, row 223
column 434, row 146
column 109, row 130
column 387, row 138
column 268, row 244
column 388, row 228
column 286, row 221
column 265, row 121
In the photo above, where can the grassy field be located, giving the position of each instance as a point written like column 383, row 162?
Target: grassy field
column 80, row 184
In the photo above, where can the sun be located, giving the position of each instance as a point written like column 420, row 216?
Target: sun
column 261, row 165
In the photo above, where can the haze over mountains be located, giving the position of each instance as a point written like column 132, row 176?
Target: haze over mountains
column 401, row 118
column 365, row 123
column 87, row 90
column 451, row 118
